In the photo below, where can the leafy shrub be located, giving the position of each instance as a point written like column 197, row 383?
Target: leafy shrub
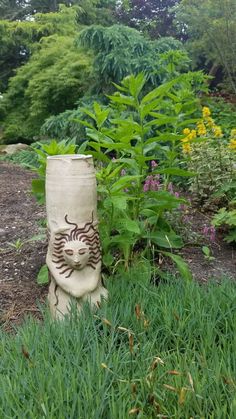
column 120, row 51
column 63, row 125
column 133, row 200
column 223, row 112
column 25, row 158
column 211, row 156
column 147, row 349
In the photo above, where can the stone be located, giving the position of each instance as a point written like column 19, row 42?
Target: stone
column 3, row 232
column 12, row 148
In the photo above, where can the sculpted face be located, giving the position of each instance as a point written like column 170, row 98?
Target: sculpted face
column 76, row 254
column 76, row 249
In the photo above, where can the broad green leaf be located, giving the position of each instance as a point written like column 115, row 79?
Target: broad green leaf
column 123, row 182
column 123, row 100
column 160, row 90
column 119, row 202
column 168, row 240
column 181, row 265
column 162, row 121
column 42, row 277
column 126, row 224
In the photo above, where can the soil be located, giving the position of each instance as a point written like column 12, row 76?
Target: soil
column 21, row 260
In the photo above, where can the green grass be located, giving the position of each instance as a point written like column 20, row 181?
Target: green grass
column 87, row 367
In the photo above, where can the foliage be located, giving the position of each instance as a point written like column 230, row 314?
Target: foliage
column 147, row 349
column 133, row 200
column 160, row 61
column 120, row 51
column 19, row 243
column 227, row 218
column 63, row 125
column 222, row 111
column 153, row 17
column 210, row 26
column 212, row 157
column 51, row 81
column 20, row 39
column 59, row 73
column 43, row 151
column 25, row 158
column 88, row 11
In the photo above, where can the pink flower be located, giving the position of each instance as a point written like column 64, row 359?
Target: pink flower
column 212, row 233
column 153, row 164
column 146, row 187
column 205, row 230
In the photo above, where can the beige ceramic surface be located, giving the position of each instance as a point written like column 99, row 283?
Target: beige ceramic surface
column 74, row 255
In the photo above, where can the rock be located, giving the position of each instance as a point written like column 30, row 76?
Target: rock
column 12, row 148
column 3, row 233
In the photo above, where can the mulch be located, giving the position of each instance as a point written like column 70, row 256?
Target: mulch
column 20, row 260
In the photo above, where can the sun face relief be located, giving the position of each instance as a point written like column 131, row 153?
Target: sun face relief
column 77, row 249
column 76, row 254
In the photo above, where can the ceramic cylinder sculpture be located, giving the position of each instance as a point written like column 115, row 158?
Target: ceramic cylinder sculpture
column 74, row 254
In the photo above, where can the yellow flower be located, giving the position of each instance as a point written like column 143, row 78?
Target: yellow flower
column 233, row 133
column 185, row 140
column 232, row 145
column 217, row 131
column 186, row 131
column 210, row 122
column 206, row 112
column 201, row 129
column 186, row 148
column 192, row 134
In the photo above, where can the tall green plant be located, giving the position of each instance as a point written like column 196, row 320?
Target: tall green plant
column 133, row 200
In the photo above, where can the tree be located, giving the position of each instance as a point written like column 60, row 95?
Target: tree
column 210, row 26
column 119, row 51
column 88, row 11
column 20, row 38
column 152, row 16
column 55, row 76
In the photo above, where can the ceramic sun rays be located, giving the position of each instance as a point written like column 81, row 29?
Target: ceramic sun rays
column 74, row 253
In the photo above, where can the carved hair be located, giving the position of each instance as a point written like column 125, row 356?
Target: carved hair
column 88, row 235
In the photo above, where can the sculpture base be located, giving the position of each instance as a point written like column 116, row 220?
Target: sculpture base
column 60, row 301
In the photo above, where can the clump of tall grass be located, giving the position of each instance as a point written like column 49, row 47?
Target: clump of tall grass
column 150, row 351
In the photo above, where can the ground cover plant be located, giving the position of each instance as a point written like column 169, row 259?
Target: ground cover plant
column 165, row 351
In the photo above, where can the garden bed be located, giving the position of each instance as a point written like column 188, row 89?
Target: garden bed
column 21, row 219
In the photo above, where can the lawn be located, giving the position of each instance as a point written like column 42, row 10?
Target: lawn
column 163, row 350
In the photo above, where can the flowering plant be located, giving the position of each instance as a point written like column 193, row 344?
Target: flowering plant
column 135, row 192
column 212, row 156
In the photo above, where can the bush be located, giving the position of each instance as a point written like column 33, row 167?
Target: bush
column 166, row 351
column 211, row 155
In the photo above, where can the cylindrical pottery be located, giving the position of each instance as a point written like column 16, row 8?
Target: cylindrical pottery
column 74, row 254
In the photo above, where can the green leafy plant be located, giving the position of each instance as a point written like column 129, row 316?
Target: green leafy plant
column 42, row 276
column 227, row 218
column 207, row 254
column 43, row 151
column 211, row 156
column 133, row 188
column 19, row 243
